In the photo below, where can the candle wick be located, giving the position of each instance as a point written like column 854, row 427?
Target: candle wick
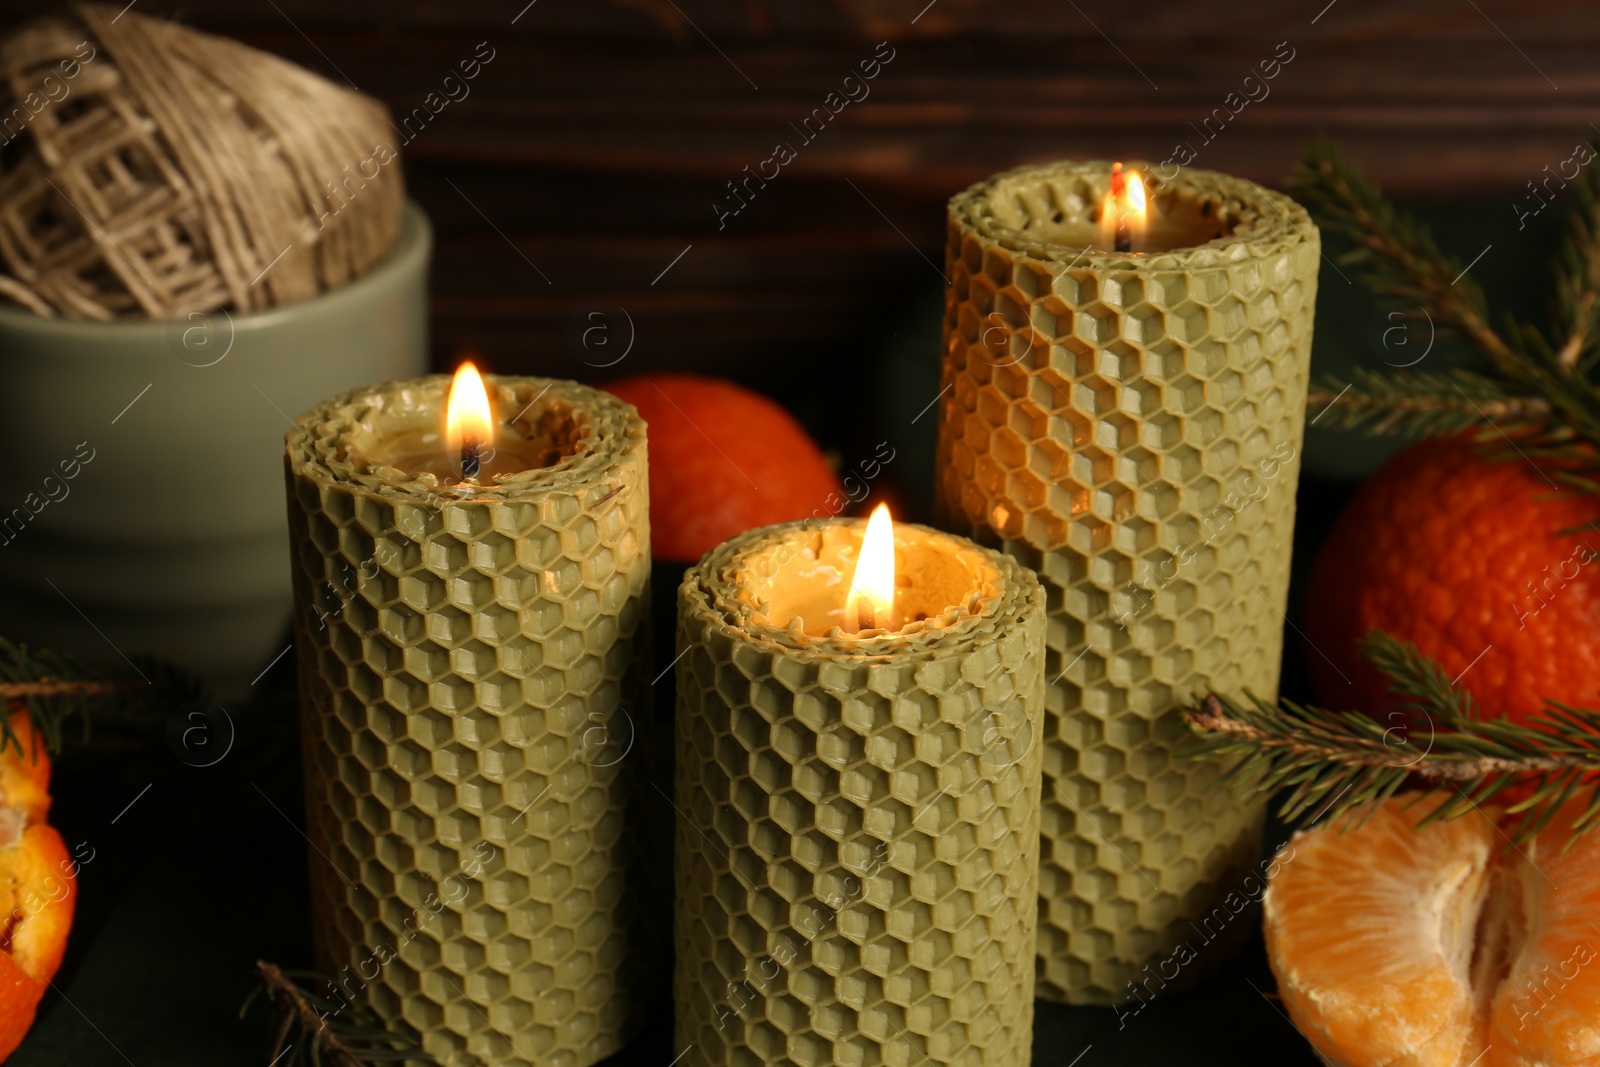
column 1122, row 240
column 469, row 458
column 866, row 617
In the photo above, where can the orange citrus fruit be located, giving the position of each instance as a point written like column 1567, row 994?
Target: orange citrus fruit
column 1441, row 946
column 38, row 885
column 25, row 771
column 722, row 461
column 1464, row 557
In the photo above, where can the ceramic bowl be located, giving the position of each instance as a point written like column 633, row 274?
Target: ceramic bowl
column 144, row 509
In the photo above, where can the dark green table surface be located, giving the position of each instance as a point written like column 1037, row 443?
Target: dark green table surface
column 203, row 876
column 197, row 873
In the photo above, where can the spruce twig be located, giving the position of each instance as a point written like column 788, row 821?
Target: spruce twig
column 1578, row 277
column 1343, row 762
column 1539, row 382
column 1398, row 256
column 1535, row 401
column 55, row 689
column 1425, row 403
column 313, row 1029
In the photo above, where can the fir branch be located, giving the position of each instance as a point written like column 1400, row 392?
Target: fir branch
column 1342, row 762
column 1365, row 742
column 1422, row 402
column 1541, row 406
column 57, row 689
column 1578, row 275
column 1402, row 264
column 313, row 1029
column 1558, row 455
column 1411, row 674
column 1572, row 395
column 1398, row 255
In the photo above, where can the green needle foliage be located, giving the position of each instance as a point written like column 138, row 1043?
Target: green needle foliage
column 1534, row 401
column 313, row 1029
column 57, row 689
column 1428, row 403
column 1536, row 389
column 1341, row 763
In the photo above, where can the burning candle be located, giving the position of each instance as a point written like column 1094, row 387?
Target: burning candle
column 1124, row 213
column 470, row 627
column 469, row 424
column 1124, row 396
column 852, row 583
column 461, row 442
column 857, row 780
column 1115, row 212
column 870, row 604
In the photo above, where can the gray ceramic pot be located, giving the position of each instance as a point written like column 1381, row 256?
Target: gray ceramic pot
column 143, row 508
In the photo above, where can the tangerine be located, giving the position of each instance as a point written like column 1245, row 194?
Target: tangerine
column 38, row 885
column 1439, row 946
column 1464, row 557
column 723, row 460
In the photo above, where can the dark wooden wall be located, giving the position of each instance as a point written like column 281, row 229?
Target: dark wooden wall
column 592, row 147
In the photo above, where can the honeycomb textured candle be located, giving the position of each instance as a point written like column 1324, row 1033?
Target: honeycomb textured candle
column 471, row 660
column 857, row 839
column 1130, row 426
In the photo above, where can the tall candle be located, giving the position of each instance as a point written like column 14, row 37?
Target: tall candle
column 471, row 666
column 857, row 842
column 1129, row 424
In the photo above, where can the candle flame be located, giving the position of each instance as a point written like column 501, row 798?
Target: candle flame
column 1125, row 211
column 870, row 603
column 468, row 420
column 1136, row 203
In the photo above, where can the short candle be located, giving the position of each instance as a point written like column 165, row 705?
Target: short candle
column 810, row 587
column 417, row 439
column 836, row 786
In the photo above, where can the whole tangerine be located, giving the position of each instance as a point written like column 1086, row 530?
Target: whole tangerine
column 1464, row 556
column 723, row 460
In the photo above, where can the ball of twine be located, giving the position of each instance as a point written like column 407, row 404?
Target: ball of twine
column 148, row 170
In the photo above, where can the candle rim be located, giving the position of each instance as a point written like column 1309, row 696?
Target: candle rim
column 1275, row 222
column 317, row 444
column 711, row 584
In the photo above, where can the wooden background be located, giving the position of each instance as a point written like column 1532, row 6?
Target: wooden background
column 592, row 147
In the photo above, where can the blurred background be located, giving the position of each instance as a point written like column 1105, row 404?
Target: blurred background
column 587, row 166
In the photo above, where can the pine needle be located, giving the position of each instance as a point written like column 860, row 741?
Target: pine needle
column 1578, row 277
column 1537, row 384
column 1425, row 403
column 57, row 690
column 316, row 1029
column 1338, row 764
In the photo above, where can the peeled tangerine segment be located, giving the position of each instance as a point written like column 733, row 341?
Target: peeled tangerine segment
column 1439, row 947
column 1547, row 1010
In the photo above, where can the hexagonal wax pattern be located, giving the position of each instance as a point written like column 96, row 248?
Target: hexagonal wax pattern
column 1175, row 383
column 857, row 838
column 473, row 864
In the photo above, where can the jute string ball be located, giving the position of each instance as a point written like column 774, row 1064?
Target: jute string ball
column 148, row 170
